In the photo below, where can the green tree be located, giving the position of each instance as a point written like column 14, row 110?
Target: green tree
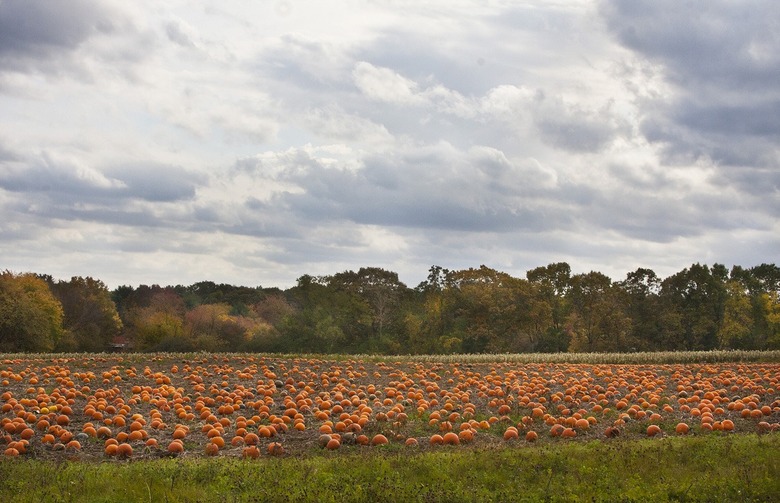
column 30, row 316
column 314, row 330
column 319, row 314
column 493, row 311
column 642, row 305
column 129, row 300
column 736, row 329
column 378, row 289
column 693, row 301
column 428, row 319
column 597, row 321
column 771, row 306
column 91, row 319
column 553, row 282
column 760, row 283
column 239, row 298
column 759, row 279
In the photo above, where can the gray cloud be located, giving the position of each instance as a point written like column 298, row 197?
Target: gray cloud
column 155, row 182
column 32, row 30
column 7, row 154
column 150, row 147
column 432, row 89
column 438, row 187
column 722, row 60
column 720, row 44
column 179, row 34
column 643, row 178
column 763, row 187
column 479, row 190
column 48, row 176
column 759, row 120
column 67, row 181
column 132, row 195
column 575, row 129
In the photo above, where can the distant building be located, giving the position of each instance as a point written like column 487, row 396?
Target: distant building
column 120, row 344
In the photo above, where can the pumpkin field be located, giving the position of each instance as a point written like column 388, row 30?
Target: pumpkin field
column 122, row 409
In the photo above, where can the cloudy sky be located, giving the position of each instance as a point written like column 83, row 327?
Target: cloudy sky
column 249, row 143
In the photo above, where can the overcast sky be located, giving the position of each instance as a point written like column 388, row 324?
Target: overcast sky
column 251, row 142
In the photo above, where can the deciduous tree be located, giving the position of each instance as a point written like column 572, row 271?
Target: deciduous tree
column 642, row 305
column 30, row 316
column 160, row 324
column 693, row 301
column 91, row 320
column 553, row 282
column 597, row 321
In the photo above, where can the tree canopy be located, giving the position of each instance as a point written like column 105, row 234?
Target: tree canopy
column 30, row 316
column 370, row 310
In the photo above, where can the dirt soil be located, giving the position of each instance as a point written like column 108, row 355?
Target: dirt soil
column 298, row 401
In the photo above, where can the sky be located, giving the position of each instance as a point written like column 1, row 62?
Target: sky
column 172, row 141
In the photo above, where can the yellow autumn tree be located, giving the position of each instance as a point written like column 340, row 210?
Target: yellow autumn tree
column 30, row 316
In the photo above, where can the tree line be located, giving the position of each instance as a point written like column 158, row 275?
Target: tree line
column 475, row 310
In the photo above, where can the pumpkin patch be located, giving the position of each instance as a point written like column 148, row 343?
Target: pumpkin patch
column 104, row 407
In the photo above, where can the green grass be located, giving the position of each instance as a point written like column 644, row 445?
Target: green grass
column 706, row 468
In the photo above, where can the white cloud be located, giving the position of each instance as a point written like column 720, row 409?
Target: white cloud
column 172, row 141
column 383, row 84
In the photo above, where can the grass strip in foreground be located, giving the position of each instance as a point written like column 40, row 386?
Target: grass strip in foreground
column 712, row 468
